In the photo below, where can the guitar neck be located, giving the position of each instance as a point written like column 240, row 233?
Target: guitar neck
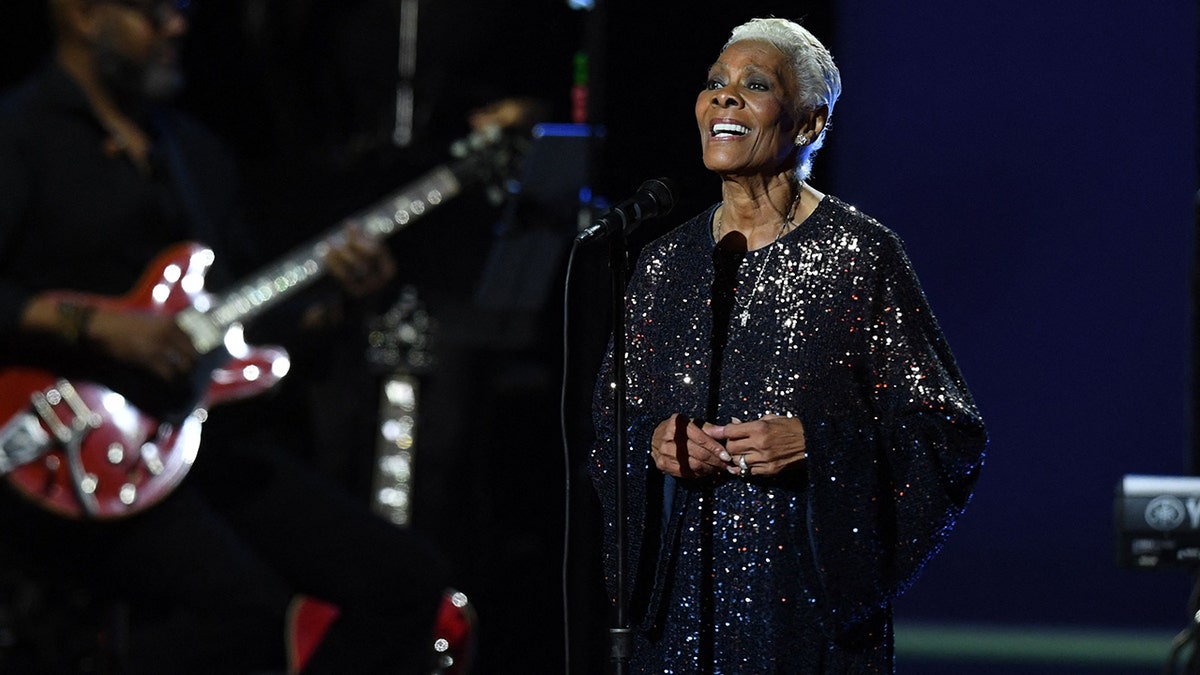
column 275, row 283
column 304, row 265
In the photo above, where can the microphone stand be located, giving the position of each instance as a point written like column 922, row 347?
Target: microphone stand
column 653, row 199
column 619, row 635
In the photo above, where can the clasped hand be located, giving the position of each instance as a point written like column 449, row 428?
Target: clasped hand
column 767, row 446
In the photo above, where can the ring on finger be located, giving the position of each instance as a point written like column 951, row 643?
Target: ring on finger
column 745, row 468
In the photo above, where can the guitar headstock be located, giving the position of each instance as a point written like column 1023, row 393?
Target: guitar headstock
column 490, row 157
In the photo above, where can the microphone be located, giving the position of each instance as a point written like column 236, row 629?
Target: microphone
column 652, row 199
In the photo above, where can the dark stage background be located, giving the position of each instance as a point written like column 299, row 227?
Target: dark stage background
column 1039, row 159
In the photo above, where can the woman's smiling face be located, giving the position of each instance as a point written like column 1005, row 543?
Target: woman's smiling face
column 747, row 112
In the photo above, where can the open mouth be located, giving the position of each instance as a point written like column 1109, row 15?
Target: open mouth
column 728, row 130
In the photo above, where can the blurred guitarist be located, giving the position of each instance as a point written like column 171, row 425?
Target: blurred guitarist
column 252, row 564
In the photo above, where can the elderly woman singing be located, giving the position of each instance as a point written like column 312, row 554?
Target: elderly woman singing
column 800, row 438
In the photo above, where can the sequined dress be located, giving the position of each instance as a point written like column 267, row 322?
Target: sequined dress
column 794, row 573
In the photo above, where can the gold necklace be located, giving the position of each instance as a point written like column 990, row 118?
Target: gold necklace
column 744, row 315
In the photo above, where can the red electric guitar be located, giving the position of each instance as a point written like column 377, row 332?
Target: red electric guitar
column 88, row 449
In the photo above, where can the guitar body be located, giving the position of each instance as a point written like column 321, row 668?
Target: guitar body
column 111, row 445
column 117, row 458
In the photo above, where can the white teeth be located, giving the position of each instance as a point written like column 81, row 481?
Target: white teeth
column 726, row 129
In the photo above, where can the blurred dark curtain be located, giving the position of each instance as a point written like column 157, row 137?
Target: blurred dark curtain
column 303, row 91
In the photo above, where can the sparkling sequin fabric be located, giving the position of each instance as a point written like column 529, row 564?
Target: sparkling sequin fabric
column 794, row 573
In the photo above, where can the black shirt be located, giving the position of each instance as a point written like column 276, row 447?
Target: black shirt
column 76, row 213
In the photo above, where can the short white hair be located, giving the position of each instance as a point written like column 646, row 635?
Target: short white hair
column 816, row 77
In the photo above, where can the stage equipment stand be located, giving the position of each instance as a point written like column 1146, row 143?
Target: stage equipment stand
column 619, row 634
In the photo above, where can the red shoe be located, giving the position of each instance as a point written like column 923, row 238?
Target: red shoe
column 454, row 635
column 307, row 622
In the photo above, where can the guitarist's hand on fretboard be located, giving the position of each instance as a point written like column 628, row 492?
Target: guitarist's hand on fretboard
column 360, row 265
column 152, row 342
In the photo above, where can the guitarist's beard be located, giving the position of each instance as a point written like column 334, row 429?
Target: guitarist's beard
column 158, row 79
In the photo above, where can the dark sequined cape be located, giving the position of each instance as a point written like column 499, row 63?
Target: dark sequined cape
column 795, row 573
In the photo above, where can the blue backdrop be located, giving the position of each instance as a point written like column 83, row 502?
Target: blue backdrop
column 1039, row 161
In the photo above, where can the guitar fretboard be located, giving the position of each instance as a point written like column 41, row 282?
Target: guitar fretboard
column 483, row 156
column 271, row 285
